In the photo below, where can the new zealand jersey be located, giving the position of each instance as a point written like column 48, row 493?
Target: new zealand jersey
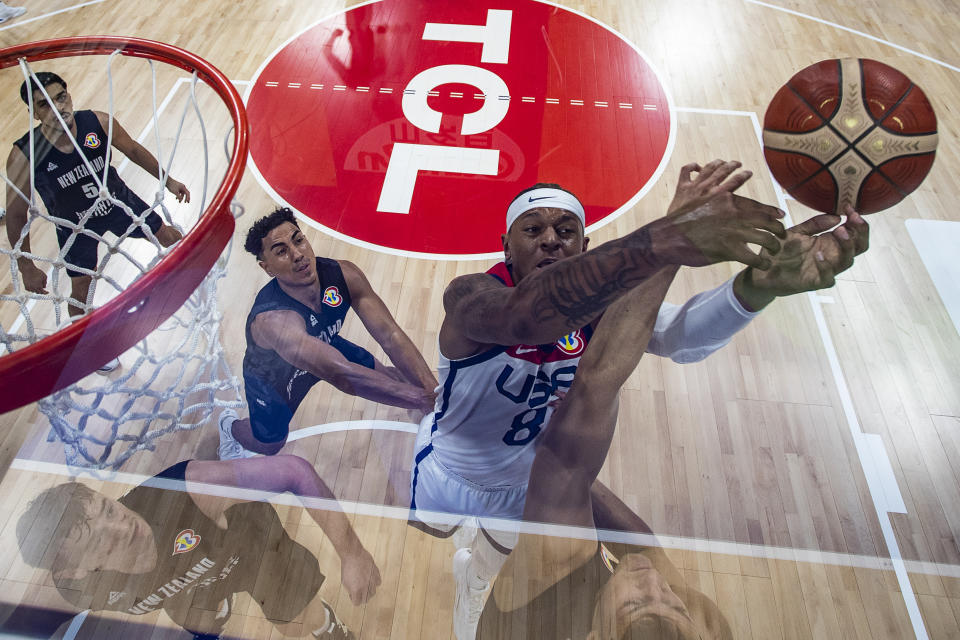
column 63, row 179
column 493, row 405
column 199, row 563
column 268, row 377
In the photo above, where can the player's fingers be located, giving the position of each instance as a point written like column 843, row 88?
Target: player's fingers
column 860, row 229
column 736, row 181
column 686, row 170
column 716, row 172
column 708, row 170
column 753, row 210
column 766, row 240
column 826, row 271
column 766, row 218
column 742, row 254
column 846, row 249
column 817, row 224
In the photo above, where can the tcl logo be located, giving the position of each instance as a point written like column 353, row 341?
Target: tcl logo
column 408, row 126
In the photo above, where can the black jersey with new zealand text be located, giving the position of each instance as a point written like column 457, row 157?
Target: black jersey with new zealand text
column 63, row 180
column 274, row 387
column 200, row 563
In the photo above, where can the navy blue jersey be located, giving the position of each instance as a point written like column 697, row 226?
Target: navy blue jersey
column 64, row 181
column 274, row 387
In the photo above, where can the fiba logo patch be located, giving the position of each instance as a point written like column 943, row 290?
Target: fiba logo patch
column 420, row 154
column 331, row 297
column 572, row 343
column 91, row 140
column 186, row 540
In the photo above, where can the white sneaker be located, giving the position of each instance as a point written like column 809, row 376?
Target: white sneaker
column 468, row 602
column 229, row 448
column 9, row 13
column 332, row 628
column 109, row 366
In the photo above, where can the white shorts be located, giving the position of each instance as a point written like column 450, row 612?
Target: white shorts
column 436, row 488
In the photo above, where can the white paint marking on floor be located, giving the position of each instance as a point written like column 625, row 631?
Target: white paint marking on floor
column 879, row 471
column 19, row 22
column 352, row 425
column 881, row 481
column 855, row 32
column 874, row 459
column 811, row 556
column 937, row 242
column 75, row 625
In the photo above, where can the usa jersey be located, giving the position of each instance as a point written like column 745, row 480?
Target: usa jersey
column 63, row 179
column 493, row 405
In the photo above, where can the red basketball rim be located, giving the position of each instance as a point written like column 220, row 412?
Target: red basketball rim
column 59, row 360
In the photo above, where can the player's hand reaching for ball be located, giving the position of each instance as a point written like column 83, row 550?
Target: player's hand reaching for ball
column 810, row 258
column 715, row 179
column 178, row 189
column 360, row 576
column 707, row 223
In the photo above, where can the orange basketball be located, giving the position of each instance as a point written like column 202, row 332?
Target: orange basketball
column 849, row 131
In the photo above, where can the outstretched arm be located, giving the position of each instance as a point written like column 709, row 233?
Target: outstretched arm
column 705, row 224
column 279, row 474
column 573, row 448
column 139, row 155
column 385, row 330
column 285, row 333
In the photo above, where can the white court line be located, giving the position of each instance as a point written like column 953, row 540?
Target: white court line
column 18, row 22
column 936, row 242
column 811, row 556
column 855, row 32
column 884, row 491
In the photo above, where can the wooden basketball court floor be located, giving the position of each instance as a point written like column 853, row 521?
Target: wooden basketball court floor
column 806, row 477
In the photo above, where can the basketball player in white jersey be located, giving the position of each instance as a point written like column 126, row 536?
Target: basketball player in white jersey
column 512, row 337
column 580, row 587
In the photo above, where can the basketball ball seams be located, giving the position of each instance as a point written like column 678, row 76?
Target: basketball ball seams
column 871, row 147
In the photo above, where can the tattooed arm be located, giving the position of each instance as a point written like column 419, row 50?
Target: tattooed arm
column 706, row 224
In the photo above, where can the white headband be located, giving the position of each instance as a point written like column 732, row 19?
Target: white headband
column 545, row 197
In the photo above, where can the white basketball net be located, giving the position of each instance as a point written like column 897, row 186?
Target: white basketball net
column 172, row 380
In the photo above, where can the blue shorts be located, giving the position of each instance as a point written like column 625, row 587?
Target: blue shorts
column 82, row 253
column 271, row 412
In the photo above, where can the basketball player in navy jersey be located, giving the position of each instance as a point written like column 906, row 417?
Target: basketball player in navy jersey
column 175, row 543
column 293, row 340
column 68, row 190
column 512, row 337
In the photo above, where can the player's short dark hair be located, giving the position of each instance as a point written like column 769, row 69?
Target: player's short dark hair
column 46, row 79
column 48, row 519
column 263, row 226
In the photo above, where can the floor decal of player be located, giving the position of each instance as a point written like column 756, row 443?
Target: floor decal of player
column 293, row 340
column 173, row 544
column 512, row 337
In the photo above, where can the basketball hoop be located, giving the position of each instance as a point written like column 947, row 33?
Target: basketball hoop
column 58, row 360
column 167, row 315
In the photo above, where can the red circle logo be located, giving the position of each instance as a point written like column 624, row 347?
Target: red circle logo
column 410, row 126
